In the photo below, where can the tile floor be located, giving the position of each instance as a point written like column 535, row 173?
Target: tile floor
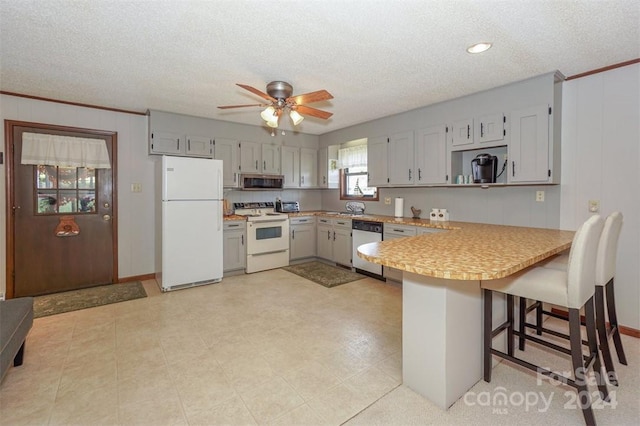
column 265, row 348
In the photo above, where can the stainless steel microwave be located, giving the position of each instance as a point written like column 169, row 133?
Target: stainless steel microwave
column 261, row 182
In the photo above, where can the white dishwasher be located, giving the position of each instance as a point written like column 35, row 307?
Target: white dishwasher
column 364, row 232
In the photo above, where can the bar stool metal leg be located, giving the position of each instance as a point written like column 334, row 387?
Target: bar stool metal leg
column 488, row 319
column 602, row 336
column 613, row 321
column 593, row 349
column 522, row 319
column 584, row 398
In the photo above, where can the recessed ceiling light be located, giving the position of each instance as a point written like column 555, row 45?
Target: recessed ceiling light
column 479, row 47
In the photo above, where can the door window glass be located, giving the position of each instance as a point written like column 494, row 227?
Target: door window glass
column 64, row 190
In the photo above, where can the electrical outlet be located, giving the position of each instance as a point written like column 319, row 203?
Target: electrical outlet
column 594, row 206
column 387, row 200
column 136, row 187
column 540, row 196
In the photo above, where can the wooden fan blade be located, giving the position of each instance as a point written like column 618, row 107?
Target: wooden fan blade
column 305, row 110
column 239, row 106
column 308, row 98
column 257, row 92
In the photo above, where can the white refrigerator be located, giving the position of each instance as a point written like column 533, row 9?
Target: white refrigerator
column 189, row 230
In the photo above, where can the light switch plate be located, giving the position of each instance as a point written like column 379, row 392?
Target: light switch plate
column 540, row 196
column 594, row 206
column 387, row 201
column 136, row 187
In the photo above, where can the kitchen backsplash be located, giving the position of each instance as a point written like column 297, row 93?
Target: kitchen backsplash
column 497, row 205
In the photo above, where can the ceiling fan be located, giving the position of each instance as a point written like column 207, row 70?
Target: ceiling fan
column 280, row 98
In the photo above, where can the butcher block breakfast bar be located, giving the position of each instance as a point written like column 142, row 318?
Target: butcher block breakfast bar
column 442, row 299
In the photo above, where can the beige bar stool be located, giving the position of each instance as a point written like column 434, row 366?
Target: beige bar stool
column 572, row 289
column 605, row 272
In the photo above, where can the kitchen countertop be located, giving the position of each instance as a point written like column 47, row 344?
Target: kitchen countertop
column 469, row 251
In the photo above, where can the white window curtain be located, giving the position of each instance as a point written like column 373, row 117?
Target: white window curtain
column 64, row 151
column 354, row 156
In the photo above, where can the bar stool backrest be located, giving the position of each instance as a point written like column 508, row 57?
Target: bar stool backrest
column 608, row 248
column 581, row 268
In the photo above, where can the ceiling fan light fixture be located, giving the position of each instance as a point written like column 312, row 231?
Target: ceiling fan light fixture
column 479, row 47
column 268, row 113
column 296, row 118
column 273, row 121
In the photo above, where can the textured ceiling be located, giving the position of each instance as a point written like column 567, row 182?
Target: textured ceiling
column 377, row 58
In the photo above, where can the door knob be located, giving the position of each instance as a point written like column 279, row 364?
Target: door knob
column 106, row 217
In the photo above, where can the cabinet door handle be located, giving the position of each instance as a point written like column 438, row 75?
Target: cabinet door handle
column 264, row 165
column 233, row 226
column 513, row 168
column 293, row 234
column 302, row 179
column 468, row 131
column 334, row 235
column 481, row 130
column 328, row 235
column 324, row 179
column 409, row 174
column 178, row 140
column 242, row 239
column 256, row 164
column 188, row 144
column 235, row 175
column 419, row 174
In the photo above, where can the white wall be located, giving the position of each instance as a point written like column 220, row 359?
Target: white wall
column 601, row 161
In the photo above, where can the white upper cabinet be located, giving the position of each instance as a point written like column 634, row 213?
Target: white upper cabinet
column 490, row 128
column 462, row 132
column 478, row 132
column 328, row 172
column 431, row 156
column 291, row 166
column 250, row 157
column 308, row 168
column 166, row 143
column 400, row 154
column 377, row 161
column 270, row 159
column 259, row 158
column 169, row 135
column 529, row 148
column 228, row 151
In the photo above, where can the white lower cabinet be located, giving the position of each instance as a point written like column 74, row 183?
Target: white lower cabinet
column 392, row 232
column 302, row 238
column 334, row 240
column 234, row 246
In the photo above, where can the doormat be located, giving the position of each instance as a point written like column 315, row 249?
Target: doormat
column 75, row 300
column 323, row 274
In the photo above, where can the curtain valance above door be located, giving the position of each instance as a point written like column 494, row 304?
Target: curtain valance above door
column 64, row 151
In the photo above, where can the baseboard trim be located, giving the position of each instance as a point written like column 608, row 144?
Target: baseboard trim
column 136, row 278
column 628, row 331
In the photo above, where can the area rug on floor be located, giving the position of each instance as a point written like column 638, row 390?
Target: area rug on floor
column 323, row 274
column 75, row 300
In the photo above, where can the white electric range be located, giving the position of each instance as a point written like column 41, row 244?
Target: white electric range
column 267, row 236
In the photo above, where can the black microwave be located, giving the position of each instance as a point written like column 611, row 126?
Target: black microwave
column 261, row 182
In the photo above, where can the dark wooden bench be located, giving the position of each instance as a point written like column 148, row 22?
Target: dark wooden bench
column 16, row 319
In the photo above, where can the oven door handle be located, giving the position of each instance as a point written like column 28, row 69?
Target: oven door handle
column 270, row 221
column 267, row 252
